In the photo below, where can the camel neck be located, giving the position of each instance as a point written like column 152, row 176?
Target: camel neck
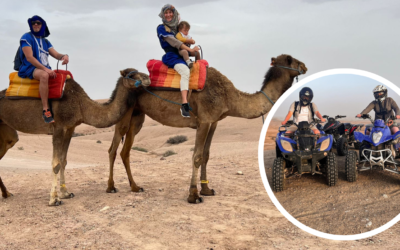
column 109, row 113
column 254, row 105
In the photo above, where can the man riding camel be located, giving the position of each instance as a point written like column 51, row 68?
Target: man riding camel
column 33, row 53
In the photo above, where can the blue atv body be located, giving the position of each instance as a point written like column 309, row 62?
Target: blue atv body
column 303, row 153
column 378, row 150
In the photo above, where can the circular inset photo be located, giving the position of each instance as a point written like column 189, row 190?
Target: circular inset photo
column 331, row 154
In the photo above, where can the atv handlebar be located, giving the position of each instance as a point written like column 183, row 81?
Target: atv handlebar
column 367, row 116
column 340, row 116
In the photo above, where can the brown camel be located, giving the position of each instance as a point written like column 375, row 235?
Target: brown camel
column 74, row 108
column 218, row 100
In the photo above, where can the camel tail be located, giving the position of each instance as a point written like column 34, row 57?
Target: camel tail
column 122, row 140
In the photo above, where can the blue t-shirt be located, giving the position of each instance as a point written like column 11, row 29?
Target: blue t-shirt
column 172, row 57
column 40, row 48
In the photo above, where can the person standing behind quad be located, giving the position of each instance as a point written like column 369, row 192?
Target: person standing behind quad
column 383, row 106
column 303, row 110
column 34, row 52
column 166, row 34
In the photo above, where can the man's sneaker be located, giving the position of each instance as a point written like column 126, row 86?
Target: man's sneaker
column 189, row 63
column 48, row 118
column 185, row 110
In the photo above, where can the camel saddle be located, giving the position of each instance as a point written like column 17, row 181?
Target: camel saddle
column 164, row 78
column 26, row 88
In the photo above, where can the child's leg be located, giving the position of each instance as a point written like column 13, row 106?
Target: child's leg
column 195, row 54
column 184, row 54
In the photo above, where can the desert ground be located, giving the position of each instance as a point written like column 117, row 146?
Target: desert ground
column 347, row 208
column 240, row 216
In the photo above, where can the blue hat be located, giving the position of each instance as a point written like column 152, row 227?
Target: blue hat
column 44, row 30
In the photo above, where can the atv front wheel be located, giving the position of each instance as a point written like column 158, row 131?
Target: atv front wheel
column 278, row 174
column 351, row 166
column 342, row 146
column 331, row 169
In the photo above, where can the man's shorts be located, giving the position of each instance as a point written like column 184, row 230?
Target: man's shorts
column 293, row 128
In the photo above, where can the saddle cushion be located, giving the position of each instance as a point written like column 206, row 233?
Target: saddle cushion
column 162, row 77
column 26, row 88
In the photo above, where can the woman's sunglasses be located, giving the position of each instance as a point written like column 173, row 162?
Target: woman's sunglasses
column 36, row 23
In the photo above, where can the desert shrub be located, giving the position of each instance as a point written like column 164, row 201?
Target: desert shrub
column 20, row 148
column 77, row 134
column 98, row 141
column 168, row 153
column 139, row 149
column 177, row 139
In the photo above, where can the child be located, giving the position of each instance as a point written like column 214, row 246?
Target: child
column 183, row 36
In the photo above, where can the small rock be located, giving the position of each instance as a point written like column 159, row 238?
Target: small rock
column 162, row 158
column 99, row 141
column 104, row 208
column 369, row 224
column 385, row 196
column 239, row 173
column 161, row 189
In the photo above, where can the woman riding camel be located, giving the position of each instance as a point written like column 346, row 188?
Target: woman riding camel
column 166, row 33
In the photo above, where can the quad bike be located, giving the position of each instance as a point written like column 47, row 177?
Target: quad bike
column 343, row 133
column 378, row 149
column 303, row 152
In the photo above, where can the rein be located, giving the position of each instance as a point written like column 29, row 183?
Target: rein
column 298, row 70
column 297, row 80
column 137, row 82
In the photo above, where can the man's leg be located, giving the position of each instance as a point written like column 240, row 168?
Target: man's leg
column 43, row 77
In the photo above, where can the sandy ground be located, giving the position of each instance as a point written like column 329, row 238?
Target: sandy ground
column 240, row 216
column 347, row 208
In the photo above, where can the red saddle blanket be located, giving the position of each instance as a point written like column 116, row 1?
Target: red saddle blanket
column 162, row 77
column 23, row 88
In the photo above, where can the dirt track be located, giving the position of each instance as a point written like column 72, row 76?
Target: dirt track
column 240, row 216
column 347, row 208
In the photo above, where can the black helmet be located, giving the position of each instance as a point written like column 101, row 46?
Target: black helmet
column 306, row 95
column 380, row 93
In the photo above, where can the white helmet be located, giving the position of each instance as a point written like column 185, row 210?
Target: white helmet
column 380, row 93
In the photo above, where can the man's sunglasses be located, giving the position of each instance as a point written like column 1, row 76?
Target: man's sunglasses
column 36, row 22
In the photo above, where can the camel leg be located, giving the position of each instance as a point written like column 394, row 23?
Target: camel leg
column 135, row 126
column 8, row 138
column 121, row 128
column 201, row 137
column 67, row 140
column 206, row 155
column 58, row 139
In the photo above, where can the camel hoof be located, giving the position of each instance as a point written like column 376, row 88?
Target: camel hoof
column 209, row 192
column 141, row 190
column 194, row 200
column 56, row 203
column 112, row 190
column 68, row 196
column 5, row 196
column 137, row 190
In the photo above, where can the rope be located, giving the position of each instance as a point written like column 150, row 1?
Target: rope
column 269, row 100
column 177, row 103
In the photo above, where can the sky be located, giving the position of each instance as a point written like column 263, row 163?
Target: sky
column 341, row 94
column 238, row 37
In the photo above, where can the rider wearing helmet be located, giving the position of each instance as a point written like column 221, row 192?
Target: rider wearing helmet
column 383, row 106
column 303, row 110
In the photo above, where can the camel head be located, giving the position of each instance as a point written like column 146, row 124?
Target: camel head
column 283, row 67
column 132, row 78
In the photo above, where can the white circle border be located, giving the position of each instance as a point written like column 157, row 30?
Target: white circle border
column 261, row 154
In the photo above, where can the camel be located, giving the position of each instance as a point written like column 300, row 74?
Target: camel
column 218, row 100
column 74, row 108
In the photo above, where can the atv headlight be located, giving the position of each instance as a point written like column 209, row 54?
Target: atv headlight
column 325, row 144
column 376, row 137
column 286, row 146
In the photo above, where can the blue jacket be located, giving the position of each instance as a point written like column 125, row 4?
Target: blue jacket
column 171, row 57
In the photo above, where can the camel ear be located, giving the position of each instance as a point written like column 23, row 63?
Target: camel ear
column 289, row 60
column 273, row 59
column 122, row 73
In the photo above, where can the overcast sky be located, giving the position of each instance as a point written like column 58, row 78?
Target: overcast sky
column 238, row 37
